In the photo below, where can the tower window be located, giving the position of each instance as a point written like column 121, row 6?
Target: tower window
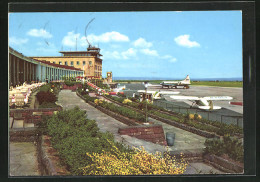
column 90, row 63
column 60, row 63
column 77, row 62
column 72, row 63
column 84, row 62
column 66, row 63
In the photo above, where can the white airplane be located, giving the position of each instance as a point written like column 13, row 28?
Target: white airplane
column 118, row 89
column 151, row 95
column 204, row 103
column 185, row 83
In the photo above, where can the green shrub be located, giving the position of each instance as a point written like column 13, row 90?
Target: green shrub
column 143, row 105
column 166, row 116
column 73, row 135
column 124, row 111
column 230, row 146
column 43, row 96
column 121, row 95
column 45, row 88
column 103, row 86
column 70, row 83
column 88, row 98
column 48, row 105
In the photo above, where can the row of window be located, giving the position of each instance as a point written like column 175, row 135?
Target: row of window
column 72, row 63
column 77, row 54
column 99, row 68
column 97, row 74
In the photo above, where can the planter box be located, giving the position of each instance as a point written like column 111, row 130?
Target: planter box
column 118, row 117
column 151, row 133
column 223, row 164
column 48, row 158
column 185, row 127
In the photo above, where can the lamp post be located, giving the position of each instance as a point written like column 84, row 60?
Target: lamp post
column 145, row 85
column 83, row 75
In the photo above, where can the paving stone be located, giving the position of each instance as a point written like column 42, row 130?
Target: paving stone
column 18, row 124
column 28, row 125
column 201, row 168
column 23, row 159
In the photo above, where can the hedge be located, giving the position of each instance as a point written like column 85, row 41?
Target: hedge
column 72, row 134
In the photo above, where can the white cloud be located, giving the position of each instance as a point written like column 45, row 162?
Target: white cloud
column 39, row 33
column 17, row 41
column 149, row 52
column 183, row 40
column 111, row 55
column 167, row 57
column 119, row 55
column 141, row 42
column 70, row 39
column 108, row 37
column 172, row 60
column 129, row 53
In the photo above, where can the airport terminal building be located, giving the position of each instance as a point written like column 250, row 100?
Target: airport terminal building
column 25, row 69
column 89, row 61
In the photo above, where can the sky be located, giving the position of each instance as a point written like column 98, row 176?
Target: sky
column 165, row 44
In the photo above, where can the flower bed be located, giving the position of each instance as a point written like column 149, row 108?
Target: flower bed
column 73, row 135
column 228, row 145
column 197, row 123
column 139, row 162
column 123, row 111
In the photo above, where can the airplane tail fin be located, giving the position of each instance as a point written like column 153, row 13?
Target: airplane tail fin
column 187, row 79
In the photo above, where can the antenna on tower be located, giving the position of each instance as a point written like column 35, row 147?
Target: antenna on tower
column 76, row 43
column 76, row 36
column 86, row 31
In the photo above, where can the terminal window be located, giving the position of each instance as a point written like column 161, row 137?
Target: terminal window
column 60, row 63
column 90, row 63
column 54, row 62
column 77, row 62
column 71, row 63
column 66, row 63
column 84, row 62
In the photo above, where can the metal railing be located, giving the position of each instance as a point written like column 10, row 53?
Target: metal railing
column 235, row 119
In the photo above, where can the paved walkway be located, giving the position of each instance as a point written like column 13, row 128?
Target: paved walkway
column 184, row 140
column 23, row 159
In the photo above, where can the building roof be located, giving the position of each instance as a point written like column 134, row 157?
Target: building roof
column 58, row 65
column 80, row 52
column 33, row 60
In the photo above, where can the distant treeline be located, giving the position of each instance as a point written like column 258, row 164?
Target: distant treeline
column 216, row 83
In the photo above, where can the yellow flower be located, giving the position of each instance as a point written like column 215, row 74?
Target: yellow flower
column 191, row 116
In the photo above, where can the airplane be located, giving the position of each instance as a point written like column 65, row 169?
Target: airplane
column 151, row 95
column 117, row 90
column 204, row 103
column 185, row 83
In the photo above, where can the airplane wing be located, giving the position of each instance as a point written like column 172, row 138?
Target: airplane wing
column 168, row 93
column 218, row 98
column 148, row 91
column 170, row 82
column 185, row 97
